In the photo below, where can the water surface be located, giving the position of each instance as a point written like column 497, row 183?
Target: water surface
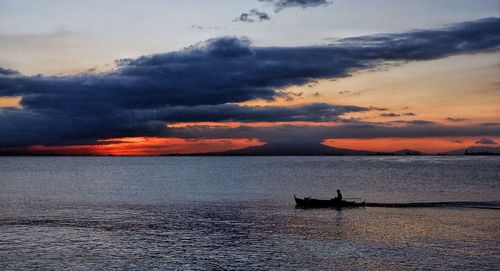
column 88, row 213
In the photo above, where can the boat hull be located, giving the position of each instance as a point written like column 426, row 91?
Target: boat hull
column 318, row 203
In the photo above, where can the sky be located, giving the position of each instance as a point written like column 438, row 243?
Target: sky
column 164, row 77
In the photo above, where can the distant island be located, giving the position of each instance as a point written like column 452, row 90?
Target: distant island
column 317, row 149
column 475, row 150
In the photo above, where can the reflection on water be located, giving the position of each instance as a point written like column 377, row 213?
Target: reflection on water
column 249, row 235
column 493, row 205
column 97, row 215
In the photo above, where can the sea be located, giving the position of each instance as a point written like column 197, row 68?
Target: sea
column 238, row 213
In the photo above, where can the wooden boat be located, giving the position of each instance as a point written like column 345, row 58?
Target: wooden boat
column 331, row 203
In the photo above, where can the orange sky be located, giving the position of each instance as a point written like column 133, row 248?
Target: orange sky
column 156, row 146
column 9, row 101
column 431, row 145
column 143, row 146
column 462, row 86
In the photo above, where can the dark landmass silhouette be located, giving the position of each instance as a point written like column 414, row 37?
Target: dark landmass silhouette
column 291, row 149
column 408, row 152
column 475, row 150
column 318, row 149
column 301, row 149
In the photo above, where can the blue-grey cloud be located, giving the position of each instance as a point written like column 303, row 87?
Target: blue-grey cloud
column 410, row 45
column 207, row 77
column 413, row 122
column 319, row 133
column 490, row 124
column 252, row 16
column 20, row 127
column 8, row 72
column 49, row 127
column 230, row 70
column 282, row 4
column 319, row 112
column 391, row 115
column 486, row 141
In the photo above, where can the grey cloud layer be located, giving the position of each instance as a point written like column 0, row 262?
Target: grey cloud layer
column 315, row 134
column 486, row 141
column 282, row 4
column 252, row 16
column 142, row 94
column 318, row 112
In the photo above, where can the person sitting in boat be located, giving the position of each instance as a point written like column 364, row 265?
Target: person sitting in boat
column 338, row 197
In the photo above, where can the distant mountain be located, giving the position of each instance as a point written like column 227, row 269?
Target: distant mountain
column 290, row 148
column 301, row 149
column 476, row 150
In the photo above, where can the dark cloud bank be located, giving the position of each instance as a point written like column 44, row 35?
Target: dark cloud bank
column 315, row 134
column 486, row 141
column 202, row 83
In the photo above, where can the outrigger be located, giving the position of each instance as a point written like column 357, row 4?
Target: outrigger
column 309, row 202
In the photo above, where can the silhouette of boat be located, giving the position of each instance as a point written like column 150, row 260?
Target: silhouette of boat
column 309, row 202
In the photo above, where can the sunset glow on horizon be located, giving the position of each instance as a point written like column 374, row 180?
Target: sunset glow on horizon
column 141, row 146
column 432, row 145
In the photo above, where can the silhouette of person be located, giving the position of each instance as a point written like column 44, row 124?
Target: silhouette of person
column 339, row 196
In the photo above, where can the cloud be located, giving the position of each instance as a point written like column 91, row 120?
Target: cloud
column 389, row 115
column 318, row 112
column 350, row 93
column 282, row 4
column 355, row 93
column 486, row 141
column 141, row 94
column 490, row 124
column 231, row 70
column 288, row 95
column 8, row 72
column 378, row 108
column 409, row 114
column 252, row 16
column 20, row 127
column 317, row 134
column 410, row 45
column 414, row 122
